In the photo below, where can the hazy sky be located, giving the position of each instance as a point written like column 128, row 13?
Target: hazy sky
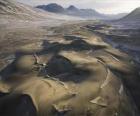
column 104, row 6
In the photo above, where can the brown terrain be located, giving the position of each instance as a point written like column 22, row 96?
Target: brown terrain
column 64, row 68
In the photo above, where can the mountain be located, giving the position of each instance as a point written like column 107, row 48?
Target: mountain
column 72, row 8
column 53, row 7
column 134, row 16
column 74, row 11
column 85, row 13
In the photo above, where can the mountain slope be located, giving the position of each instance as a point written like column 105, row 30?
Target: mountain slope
column 72, row 8
column 17, row 10
column 133, row 16
column 53, row 7
column 86, row 13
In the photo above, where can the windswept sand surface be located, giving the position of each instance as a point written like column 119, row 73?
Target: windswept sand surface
column 65, row 70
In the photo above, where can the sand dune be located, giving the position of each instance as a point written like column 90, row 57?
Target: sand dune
column 76, row 79
column 64, row 69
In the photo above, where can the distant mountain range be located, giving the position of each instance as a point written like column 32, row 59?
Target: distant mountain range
column 74, row 11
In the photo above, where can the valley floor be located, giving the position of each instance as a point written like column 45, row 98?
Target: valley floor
column 66, row 70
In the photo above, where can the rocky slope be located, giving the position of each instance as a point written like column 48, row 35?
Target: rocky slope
column 18, row 10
